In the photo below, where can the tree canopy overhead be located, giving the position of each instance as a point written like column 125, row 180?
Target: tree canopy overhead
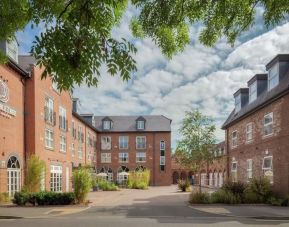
column 77, row 39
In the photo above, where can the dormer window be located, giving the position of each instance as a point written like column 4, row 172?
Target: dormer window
column 273, row 77
column 106, row 125
column 140, row 125
column 238, row 103
column 253, row 92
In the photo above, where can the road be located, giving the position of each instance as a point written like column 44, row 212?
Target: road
column 155, row 207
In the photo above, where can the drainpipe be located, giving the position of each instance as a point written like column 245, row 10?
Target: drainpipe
column 154, row 159
column 227, row 151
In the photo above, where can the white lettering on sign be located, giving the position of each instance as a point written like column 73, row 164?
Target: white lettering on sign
column 7, row 111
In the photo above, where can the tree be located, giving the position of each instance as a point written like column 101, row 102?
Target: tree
column 77, row 39
column 34, row 174
column 82, row 183
column 195, row 149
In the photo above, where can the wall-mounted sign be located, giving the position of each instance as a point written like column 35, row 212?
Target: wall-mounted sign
column 5, row 110
column 4, row 92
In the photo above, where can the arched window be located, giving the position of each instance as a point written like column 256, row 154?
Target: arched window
column 140, row 169
column 14, row 175
column 122, row 174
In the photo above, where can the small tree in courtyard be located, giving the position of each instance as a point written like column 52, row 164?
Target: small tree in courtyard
column 34, row 174
column 82, row 184
column 194, row 150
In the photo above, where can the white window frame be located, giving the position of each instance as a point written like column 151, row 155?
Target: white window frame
column 162, row 160
column 49, row 138
column 105, row 157
column 80, row 152
column 249, row 169
column 234, row 139
column 140, row 125
column 123, row 142
column 238, row 103
column 249, row 132
column 235, row 169
column 271, row 165
column 62, row 118
column 72, row 149
column 105, row 142
column 162, row 145
column 141, row 157
column 56, row 178
column 269, row 124
column 106, row 125
column 123, row 157
column 49, row 105
column 137, row 144
column 253, row 92
column 55, row 87
column 273, row 77
column 62, row 143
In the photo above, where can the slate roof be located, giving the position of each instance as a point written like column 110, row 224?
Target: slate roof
column 154, row 123
column 25, row 62
column 264, row 99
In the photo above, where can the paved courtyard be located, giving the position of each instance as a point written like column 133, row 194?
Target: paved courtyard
column 158, row 206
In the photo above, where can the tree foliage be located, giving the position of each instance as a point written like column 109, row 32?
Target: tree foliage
column 77, row 40
column 197, row 142
column 35, row 171
column 82, row 184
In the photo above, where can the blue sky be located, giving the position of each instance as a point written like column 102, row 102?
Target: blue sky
column 200, row 77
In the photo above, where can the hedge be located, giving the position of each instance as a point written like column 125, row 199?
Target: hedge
column 44, row 198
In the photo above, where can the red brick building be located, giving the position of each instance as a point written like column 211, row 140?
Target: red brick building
column 212, row 175
column 257, row 132
column 130, row 143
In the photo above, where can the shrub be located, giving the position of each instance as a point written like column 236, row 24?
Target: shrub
column 82, row 184
column 261, row 188
column 138, row 179
column 4, row 197
column 251, row 197
column 237, row 188
column 43, row 198
column 197, row 197
column 184, row 185
column 225, row 196
column 274, row 201
column 34, row 174
column 21, row 198
column 106, row 185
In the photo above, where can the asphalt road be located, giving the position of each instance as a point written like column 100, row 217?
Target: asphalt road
column 152, row 209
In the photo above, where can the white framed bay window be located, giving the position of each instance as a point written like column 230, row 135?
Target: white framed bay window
column 49, row 138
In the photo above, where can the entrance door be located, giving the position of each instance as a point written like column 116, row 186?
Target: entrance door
column 67, row 179
column 13, row 175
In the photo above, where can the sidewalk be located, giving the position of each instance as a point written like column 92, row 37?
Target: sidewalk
column 15, row 212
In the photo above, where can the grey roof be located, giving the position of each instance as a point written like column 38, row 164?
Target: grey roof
column 264, row 99
column 154, row 123
column 25, row 61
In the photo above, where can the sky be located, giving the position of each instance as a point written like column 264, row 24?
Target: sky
column 199, row 78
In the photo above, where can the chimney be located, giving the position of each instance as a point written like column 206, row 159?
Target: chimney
column 241, row 98
column 75, row 105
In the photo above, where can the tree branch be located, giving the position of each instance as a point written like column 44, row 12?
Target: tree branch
column 65, row 9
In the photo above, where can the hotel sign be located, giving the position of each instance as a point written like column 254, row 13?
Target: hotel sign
column 5, row 110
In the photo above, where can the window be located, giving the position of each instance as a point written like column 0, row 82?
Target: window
column 123, row 157
column 162, row 145
column 234, row 139
column 14, row 175
column 140, row 157
column 249, row 132
column 105, row 143
column 49, row 138
column 253, row 92
column 162, row 160
column 105, row 157
column 62, row 118
column 273, row 77
column 56, row 178
column 48, row 111
column 140, row 142
column 238, row 103
column 72, row 150
column 249, row 169
column 80, row 134
column 80, row 152
column 268, row 124
column 106, row 125
column 268, row 168
column 12, row 50
column 123, row 142
column 62, row 143
column 234, row 171
column 73, row 130
column 140, row 125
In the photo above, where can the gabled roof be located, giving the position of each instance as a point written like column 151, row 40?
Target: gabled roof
column 141, row 118
column 263, row 100
column 154, row 123
column 84, row 121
